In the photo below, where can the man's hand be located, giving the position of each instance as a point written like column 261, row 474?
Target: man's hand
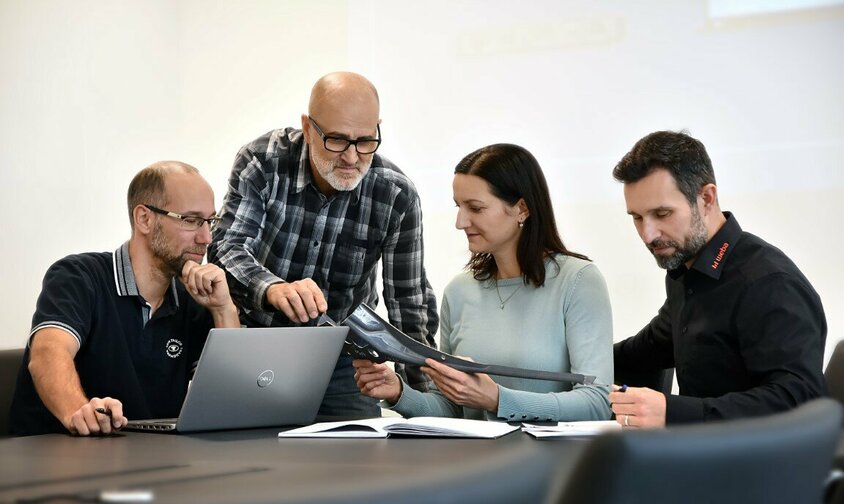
column 377, row 380
column 87, row 421
column 206, row 284
column 53, row 371
column 476, row 390
column 638, row 407
column 301, row 300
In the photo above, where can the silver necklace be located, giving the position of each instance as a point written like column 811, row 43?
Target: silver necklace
column 503, row 300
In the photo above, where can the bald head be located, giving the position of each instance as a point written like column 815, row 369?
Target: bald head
column 343, row 90
column 148, row 187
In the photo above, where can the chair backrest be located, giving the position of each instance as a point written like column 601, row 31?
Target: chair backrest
column 666, row 381
column 834, row 373
column 510, row 473
column 782, row 458
column 10, row 363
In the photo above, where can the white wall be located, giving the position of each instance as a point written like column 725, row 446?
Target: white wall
column 579, row 82
column 90, row 93
column 94, row 91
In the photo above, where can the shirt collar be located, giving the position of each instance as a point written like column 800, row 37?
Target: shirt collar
column 712, row 257
column 304, row 176
column 124, row 275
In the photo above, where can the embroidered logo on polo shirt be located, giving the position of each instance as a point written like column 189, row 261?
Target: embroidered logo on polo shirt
column 174, row 348
column 721, row 252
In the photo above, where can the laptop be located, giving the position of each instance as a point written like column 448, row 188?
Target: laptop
column 256, row 377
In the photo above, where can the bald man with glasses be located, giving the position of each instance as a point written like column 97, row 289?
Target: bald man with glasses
column 309, row 214
column 116, row 335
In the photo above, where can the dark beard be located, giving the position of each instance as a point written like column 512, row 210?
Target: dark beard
column 693, row 242
column 171, row 264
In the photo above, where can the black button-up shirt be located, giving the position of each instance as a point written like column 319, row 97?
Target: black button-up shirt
column 743, row 327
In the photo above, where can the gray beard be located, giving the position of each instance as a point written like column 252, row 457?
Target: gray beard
column 326, row 170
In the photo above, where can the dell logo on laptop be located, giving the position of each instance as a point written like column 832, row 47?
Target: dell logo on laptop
column 265, row 378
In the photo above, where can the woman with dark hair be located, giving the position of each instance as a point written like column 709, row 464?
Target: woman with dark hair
column 525, row 301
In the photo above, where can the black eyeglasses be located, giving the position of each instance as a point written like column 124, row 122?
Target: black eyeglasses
column 339, row 144
column 188, row 222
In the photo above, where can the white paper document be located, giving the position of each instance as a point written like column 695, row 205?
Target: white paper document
column 419, row 426
column 562, row 429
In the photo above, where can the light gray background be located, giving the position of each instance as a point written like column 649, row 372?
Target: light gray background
column 93, row 91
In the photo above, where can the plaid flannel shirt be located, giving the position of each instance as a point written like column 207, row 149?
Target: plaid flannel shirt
column 277, row 227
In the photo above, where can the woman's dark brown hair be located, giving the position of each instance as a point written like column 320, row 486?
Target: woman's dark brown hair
column 513, row 174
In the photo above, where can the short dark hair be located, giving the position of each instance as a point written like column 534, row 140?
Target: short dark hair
column 513, row 174
column 147, row 187
column 683, row 156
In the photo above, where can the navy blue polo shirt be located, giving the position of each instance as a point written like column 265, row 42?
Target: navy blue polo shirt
column 143, row 361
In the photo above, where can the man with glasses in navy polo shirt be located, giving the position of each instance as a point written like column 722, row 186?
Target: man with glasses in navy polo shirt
column 309, row 214
column 115, row 335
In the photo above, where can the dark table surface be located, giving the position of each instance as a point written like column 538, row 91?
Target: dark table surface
column 256, row 466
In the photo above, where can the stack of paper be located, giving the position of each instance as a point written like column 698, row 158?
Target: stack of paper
column 418, row 426
column 562, row 429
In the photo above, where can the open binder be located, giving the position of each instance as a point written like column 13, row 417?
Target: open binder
column 371, row 337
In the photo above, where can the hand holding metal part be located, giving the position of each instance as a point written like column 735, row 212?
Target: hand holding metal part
column 372, row 338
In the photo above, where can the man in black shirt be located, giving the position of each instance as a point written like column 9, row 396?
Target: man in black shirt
column 743, row 327
column 115, row 335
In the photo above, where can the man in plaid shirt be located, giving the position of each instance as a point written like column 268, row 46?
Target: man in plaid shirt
column 309, row 213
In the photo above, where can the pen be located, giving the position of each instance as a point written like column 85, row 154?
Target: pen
column 623, row 388
column 104, row 411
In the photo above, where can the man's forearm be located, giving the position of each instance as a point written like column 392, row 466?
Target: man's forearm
column 57, row 382
column 225, row 316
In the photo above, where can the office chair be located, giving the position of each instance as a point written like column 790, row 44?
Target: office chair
column 515, row 473
column 10, row 363
column 782, row 458
column 834, row 373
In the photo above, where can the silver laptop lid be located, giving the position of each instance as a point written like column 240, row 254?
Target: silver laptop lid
column 260, row 377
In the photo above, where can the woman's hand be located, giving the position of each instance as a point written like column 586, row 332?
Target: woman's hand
column 377, row 380
column 475, row 390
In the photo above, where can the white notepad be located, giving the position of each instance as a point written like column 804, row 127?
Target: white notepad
column 565, row 429
column 418, row 426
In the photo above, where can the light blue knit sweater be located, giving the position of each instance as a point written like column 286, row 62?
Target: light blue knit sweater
column 565, row 325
